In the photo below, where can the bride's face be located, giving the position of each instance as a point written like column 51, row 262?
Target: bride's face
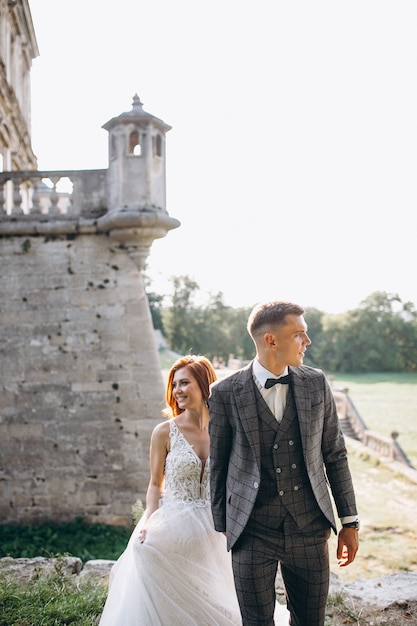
column 186, row 390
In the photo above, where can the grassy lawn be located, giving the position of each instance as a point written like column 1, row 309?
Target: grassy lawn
column 387, row 502
column 76, row 538
column 55, row 600
column 387, row 507
column 386, row 402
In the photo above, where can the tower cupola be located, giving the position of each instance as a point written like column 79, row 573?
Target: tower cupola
column 136, row 182
column 136, row 173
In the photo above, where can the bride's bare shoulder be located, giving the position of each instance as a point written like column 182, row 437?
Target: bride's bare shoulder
column 161, row 430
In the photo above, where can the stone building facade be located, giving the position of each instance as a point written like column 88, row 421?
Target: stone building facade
column 80, row 381
column 18, row 48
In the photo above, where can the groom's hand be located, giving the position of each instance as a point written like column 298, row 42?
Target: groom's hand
column 347, row 546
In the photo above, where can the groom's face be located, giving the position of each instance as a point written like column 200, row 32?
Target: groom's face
column 291, row 341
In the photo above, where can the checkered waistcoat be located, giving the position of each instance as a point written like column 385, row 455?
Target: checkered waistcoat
column 284, row 485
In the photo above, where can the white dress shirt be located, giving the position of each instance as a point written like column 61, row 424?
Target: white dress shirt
column 276, row 396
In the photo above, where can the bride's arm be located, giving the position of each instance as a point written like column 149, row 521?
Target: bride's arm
column 157, row 456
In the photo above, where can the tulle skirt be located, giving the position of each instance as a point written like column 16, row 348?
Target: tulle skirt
column 180, row 576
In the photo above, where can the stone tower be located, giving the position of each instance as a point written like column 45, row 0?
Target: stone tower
column 136, row 180
column 80, row 382
column 137, row 153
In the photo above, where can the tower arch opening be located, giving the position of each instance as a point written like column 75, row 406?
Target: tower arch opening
column 135, row 147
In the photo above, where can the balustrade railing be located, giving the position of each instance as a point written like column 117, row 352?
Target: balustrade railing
column 60, row 194
column 354, row 426
column 380, row 444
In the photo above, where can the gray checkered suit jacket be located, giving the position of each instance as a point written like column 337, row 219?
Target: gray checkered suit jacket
column 235, row 448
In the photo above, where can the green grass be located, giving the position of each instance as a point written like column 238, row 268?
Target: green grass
column 59, row 599
column 76, row 538
column 54, row 600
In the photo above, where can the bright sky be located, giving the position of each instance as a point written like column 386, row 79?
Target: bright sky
column 292, row 162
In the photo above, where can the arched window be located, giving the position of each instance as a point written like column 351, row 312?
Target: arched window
column 134, row 143
column 158, row 145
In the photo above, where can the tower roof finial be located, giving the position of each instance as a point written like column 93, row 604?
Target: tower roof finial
column 136, row 115
column 137, row 105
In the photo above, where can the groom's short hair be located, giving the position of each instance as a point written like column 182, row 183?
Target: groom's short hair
column 267, row 314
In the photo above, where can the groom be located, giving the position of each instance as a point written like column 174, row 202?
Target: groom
column 275, row 447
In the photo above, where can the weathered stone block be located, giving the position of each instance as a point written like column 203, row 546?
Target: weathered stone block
column 27, row 569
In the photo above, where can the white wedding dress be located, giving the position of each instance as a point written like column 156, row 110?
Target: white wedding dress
column 182, row 574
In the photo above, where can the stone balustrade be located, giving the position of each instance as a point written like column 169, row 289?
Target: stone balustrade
column 353, row 426
column 25, row 195
column 29, row 207
column 380, row 444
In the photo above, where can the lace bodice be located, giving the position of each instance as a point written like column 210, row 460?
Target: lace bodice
column 184, row 479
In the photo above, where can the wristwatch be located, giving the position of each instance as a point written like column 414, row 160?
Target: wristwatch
column 352, row 525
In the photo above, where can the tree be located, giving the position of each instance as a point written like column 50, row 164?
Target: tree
column 214, row 339
column 314, row 320
column 156, row 308
column 156, row 302
column 179, row 319
column 378, row 336
column 241, row 343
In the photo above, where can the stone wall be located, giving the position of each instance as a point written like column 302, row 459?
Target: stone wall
column 81, row 386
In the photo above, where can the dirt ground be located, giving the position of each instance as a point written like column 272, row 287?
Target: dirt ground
column 386, row 601
column 361, row 613
column 399, row 613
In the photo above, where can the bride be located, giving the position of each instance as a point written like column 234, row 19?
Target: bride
column 176, row 570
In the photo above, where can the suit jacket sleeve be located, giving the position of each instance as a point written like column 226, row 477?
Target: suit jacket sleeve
column 324, row 445
column 234, row 446
column 221, row 439
column 336, row 458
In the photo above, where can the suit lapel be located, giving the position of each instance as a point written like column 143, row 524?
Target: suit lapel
column 302, row 398
column 247, row 406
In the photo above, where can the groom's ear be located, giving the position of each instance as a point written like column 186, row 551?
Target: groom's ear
column 270, row 340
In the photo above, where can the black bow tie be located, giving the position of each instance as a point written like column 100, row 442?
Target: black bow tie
column 284, row 380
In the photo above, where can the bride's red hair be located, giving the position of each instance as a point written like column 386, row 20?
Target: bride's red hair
column 202, row 370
